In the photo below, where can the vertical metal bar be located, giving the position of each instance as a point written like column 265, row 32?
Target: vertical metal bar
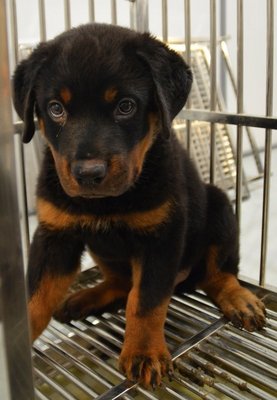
column 188, row 58
column 222, row 28
column 114, row 12
column 17, row 380
column 213, row 96
column 13, row 30
column 91, row 10
column 22, row 196
column 132, row 15
column 240, row 81
column 164, row 21
column 227, row 62
column 268, row 141
column 67, row 14
column 20, row 162
column 42, row 22
column 142, row 24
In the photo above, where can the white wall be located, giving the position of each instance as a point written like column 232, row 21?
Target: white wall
column 254, row 43
column 254, row 79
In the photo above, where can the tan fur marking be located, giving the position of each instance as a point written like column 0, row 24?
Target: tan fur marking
column 57, row 218
column 237, row 303
column 144, row 335
column 45, row 301
column 110, row 94
column 69, row 184
column 217, row 283
column 41, row 125
column 137, row 155
column 66, row 95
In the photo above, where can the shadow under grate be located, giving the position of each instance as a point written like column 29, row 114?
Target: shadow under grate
column 213, row 359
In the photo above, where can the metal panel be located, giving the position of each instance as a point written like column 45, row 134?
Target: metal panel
column 268, row 133
column 212, row 358
column 14, row 341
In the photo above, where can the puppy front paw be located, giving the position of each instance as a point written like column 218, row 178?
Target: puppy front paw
column 148, row 368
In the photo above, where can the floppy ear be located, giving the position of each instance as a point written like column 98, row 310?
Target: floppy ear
column 24, row 82
column 172, row 78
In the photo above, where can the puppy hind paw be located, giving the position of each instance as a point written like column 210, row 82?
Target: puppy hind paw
column 71, row 309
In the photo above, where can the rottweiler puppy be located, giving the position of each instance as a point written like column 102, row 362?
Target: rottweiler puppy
column 116, row 180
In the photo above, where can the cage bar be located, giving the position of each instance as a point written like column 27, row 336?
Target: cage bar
column 67, row 14
column 213, row 52
column 14, row 336
column 188, row 58
column 91, row 10
column 268, row 141
column 42, row 20
column 239, row 108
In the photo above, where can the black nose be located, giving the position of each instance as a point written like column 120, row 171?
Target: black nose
column 90, row 172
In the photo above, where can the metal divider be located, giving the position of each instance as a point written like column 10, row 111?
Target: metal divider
column 213, row 99
column 268, row 137
column 239, row 108
column 16, row 380
column 79, row 360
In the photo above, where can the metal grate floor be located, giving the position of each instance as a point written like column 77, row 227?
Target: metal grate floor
column 213, row 359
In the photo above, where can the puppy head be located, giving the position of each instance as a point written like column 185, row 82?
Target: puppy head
column 101, row 94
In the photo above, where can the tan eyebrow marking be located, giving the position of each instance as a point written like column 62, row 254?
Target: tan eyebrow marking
column 109, row 94
column 66, row 95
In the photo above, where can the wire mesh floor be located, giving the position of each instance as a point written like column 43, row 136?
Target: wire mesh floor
column 212, row 359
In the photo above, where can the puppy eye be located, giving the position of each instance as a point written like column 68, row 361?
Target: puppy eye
column 56, row 110
column 126, row 107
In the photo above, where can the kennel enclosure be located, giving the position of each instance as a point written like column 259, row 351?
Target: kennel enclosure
column 78, row 360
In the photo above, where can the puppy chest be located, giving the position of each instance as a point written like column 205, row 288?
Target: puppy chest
column 113, row 245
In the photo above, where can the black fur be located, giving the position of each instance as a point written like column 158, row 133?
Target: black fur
column 87, row 61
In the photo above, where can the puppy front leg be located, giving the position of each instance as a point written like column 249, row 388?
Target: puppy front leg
column 53, row 263
column 145, row 357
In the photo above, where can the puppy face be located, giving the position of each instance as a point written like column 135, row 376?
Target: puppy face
column 100, row 100
column 99, row 122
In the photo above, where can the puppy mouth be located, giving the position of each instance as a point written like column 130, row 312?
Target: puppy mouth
column 95, row 178
column 90, row 191
column 92, row 188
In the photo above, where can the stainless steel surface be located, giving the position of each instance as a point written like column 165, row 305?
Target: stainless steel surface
column 230, row 118
column 67, row 14
column 13, row 30
column 200, row 148
column 229, row 71
column 91, row 10
column 141, row 15
column 268, row 133
column 188, row 59
column 114, row 11
column 223, row 33
column 42, row 21
column 164, row 21
column 240, row 64
column 212, row 359
column 79, row 361
column 16, row 373
column 22, row 197
column 213, row 91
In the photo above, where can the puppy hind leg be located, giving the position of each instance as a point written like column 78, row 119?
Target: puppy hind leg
column 53, row 264
column 45, row 300
column 105, row 296
column 238, row 304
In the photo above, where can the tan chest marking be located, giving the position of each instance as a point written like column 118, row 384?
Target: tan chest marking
column 56, row 218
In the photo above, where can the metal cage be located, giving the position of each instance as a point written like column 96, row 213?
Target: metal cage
column 78, row 360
